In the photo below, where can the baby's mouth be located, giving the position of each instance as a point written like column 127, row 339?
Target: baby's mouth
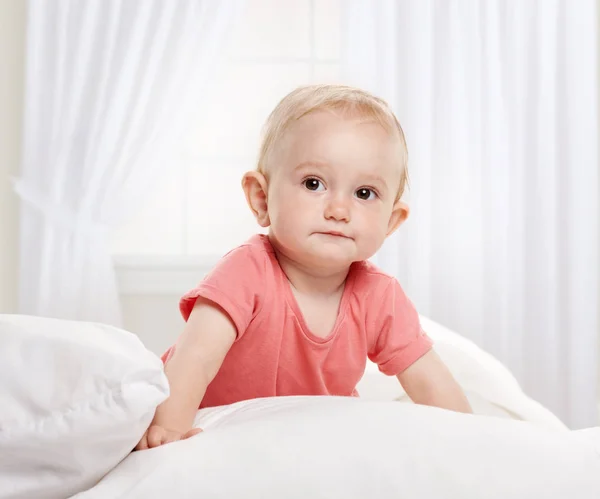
column 334, row 233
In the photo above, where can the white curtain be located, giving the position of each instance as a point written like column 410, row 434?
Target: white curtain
column 498, row 100
column 108, row 84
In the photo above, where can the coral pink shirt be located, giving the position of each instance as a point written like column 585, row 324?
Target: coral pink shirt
column 275, row 353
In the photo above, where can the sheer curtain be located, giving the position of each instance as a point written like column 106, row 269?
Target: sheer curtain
column 498, row 100
column 107, row 86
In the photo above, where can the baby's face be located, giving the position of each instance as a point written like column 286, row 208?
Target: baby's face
column 333, row 181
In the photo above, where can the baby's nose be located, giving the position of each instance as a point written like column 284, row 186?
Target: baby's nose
column 337, row 209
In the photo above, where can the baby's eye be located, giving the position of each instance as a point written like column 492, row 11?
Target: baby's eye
column 365, row 194
column 313, row 184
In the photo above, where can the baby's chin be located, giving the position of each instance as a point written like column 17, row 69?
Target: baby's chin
column 320, row 254
column 327, row 257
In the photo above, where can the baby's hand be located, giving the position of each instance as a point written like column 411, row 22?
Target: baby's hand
column 156, row 436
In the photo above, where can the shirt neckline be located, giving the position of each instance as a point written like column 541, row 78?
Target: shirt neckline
column 295, row 307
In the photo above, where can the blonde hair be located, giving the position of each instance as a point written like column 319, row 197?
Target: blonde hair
column 307, row 99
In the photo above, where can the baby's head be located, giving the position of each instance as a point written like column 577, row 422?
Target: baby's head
column 331, row 172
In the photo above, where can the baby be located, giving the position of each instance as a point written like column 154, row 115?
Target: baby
column 299, row 311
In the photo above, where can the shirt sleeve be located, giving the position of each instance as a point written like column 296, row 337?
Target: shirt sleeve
column 234, row 285
column 398, row 339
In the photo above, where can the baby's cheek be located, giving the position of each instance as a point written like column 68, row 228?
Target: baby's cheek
column 278, row 209
column 374, row 223
column 287, row 214
column 283, row 202
column 375, row 235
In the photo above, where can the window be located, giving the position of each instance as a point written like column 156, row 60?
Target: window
column 200, row 209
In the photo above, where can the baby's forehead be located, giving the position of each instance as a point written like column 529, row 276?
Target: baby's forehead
column 320, row 128
column 334, row 134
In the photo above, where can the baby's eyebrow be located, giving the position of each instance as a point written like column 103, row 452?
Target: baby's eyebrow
column 312, row 163
column 376, row 179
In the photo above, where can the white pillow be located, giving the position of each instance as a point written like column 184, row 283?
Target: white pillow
column 489, row 385
column 328, row 447
column 75, row 398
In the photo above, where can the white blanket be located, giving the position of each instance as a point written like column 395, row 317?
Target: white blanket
column 322, row 447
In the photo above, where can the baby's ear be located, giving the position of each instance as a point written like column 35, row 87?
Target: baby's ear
column 400, row 213
column 255, row 188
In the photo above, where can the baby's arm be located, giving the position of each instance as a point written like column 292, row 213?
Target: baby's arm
column 429, row 382
column 199, row 353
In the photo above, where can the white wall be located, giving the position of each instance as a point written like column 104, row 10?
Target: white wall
column 150, row 294
column 12, row 43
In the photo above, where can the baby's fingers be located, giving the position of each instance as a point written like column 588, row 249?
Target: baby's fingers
column 156, row 436
column 191, row 433
column 170, row 437
column 143, row 443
